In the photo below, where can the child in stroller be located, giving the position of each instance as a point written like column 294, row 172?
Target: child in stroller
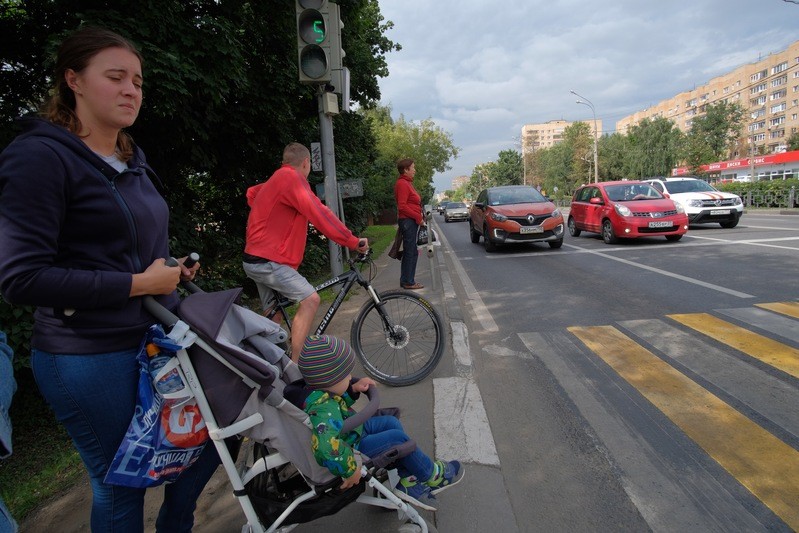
column 232, row 365
column 327, row 395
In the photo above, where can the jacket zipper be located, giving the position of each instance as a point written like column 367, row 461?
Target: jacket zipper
column 134, row 252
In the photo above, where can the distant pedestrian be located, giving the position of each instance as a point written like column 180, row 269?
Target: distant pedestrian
column 83, row 234
column 409, row 218
column 7, row 387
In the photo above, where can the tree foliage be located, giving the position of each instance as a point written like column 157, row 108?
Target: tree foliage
column 221, row 101
column 428, row 145
column 714, row 134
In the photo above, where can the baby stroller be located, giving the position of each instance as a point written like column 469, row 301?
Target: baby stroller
column 237, row 374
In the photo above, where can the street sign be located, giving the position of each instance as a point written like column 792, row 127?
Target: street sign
column 346, row 189
column 316, row 157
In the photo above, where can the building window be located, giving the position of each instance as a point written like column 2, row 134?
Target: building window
column 779, row 107
column 779, row 81
column 779, row 68
column 758, row 113
column 778, row 94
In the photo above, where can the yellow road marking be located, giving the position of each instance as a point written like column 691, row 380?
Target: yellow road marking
column 752, row 344
column 765, row 465
column 786, row 308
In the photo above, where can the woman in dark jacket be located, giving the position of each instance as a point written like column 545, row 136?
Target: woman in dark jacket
column 84, row 235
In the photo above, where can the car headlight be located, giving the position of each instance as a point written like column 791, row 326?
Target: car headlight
column 556, row 213
column 738, row 201
column 679, row 207
column 623, row 210
column 498, row 217
column 695, row 203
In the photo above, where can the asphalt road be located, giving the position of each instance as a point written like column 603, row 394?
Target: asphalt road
column 641, row 386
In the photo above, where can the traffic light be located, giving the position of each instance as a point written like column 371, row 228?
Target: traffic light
column 339, row 77
column 314, row 40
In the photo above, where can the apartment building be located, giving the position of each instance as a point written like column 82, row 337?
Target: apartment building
column 548, row 134
column 768, row 89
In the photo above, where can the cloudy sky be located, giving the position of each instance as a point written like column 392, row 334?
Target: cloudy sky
column 481, row 69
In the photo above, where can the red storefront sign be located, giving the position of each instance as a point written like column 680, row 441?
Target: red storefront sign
column 761, row 160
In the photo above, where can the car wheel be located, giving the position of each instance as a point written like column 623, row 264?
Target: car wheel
column 446, row 219
column 607, row 232
column 730, row 224
column 556, row 244
column 487, row 243
column 574, row 231
column 673, row 238
column 473, row 234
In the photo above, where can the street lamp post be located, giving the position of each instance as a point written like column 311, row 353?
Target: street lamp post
column 585, row 101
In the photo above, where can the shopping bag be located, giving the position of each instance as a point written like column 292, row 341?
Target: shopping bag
column 166, row 435
column 422, row 236
column 395, row 251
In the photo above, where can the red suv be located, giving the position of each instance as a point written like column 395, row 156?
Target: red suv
column 515, row 214
column 625, row 209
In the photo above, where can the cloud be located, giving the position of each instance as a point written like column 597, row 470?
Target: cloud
column 481, row 70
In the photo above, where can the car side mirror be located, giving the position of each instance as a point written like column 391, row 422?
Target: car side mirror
column 666, row 195
column 596, row 201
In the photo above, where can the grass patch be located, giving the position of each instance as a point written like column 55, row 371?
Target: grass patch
column 44, row 462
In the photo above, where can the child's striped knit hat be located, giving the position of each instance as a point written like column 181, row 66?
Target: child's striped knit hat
column 325, row 360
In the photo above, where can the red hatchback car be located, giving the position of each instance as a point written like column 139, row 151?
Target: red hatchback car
column 625, row 209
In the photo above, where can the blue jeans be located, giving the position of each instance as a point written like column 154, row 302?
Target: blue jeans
column 94, row 397
column 383, row 432
column 410, row 252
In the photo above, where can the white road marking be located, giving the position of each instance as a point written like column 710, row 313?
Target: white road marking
column 461, row 423
column 460, row 343
column 475, row 302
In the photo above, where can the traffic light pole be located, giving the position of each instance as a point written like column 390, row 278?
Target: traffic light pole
column 329, row 169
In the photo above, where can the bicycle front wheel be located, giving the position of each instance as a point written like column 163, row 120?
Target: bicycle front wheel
column 401, row 340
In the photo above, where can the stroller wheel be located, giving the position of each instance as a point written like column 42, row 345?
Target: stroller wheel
column 415, row 528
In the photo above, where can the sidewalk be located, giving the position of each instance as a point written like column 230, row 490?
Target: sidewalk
column 219, row 512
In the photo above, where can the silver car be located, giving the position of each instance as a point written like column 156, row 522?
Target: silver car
column 456, row 211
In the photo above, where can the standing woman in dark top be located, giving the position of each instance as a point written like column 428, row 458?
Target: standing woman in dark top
column 409, row 218
column 83, row 234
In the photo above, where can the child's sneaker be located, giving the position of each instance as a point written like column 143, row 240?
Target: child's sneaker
column 415, row 493
column 444, row 476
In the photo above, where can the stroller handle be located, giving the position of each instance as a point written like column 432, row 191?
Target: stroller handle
column 364, row 414
column 161, row 313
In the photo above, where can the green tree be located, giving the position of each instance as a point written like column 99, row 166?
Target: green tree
column 653, row 147
column 713, row 135
column 428, row 145
column 508, row 168
column 793, row 141
column 221, row 101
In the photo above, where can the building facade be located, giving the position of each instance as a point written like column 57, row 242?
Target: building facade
column 767, row 89
column 548, row 134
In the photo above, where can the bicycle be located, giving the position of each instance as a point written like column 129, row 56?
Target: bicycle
column 397, row 335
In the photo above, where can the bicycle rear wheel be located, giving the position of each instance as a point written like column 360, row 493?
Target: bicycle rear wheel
column 400, row 341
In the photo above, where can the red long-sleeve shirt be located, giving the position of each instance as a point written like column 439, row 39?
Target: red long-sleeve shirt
column 409, row 203
column 280, row 209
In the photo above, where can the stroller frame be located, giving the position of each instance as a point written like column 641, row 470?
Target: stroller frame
column 239, row 478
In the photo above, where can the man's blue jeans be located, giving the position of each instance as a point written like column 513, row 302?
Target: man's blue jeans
column 381, row 433
column 94, row 397
column 410, row 252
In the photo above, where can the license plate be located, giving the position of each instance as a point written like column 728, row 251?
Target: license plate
column 660, row 224
column 531, row 229
column 720, row 212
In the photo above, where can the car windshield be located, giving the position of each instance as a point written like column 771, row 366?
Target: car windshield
column 675, row 187
column 632, row 192
column 516, row 195
column 453, row 205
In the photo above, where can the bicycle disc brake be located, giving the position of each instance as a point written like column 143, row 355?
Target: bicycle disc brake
column 399, row 339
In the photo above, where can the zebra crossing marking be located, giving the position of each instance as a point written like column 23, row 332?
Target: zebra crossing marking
column 765, row 465
column 769, row 351
column 785, row 308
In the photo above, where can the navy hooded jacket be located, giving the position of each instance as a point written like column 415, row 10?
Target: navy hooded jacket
column 72, row 232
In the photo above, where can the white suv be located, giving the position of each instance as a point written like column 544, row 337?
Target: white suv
column 702, row 203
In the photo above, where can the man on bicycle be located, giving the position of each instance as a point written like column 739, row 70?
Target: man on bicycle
column 277, row 230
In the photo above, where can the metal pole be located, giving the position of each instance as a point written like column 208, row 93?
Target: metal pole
column 596, row 146
column 329, row 169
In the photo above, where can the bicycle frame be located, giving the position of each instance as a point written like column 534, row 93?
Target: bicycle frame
column 347, row 280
